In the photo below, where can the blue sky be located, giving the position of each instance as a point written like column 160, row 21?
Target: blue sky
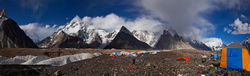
column 56, row 11
column 217, row 15
column 222, row 18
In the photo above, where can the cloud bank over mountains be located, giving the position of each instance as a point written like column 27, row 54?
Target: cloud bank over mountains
column 38, row 32
column 109, row 23
column 184, row 16
column 112, row 22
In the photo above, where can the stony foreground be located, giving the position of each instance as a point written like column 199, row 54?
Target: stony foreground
column 160, row 64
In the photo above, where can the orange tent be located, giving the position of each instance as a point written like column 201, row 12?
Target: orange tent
column 235, row 58
column 183, row 58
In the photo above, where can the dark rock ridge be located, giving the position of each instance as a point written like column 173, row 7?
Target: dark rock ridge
column 167, row 41
column 199, row 45
column 3, row 13
column 11, row 35
column 246, row 42
column 125, row 40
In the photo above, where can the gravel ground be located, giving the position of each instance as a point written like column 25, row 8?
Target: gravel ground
column 160, row 64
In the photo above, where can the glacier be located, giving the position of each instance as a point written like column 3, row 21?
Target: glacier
column 45, row 60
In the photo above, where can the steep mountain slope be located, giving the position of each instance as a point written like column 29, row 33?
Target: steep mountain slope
column 214, row 43
column 77, row 27
column 125, row 40
column 148, row 37
column 167, row 41
column 3, row 13
column 246, row 42
column 11, row 36
column 199, row 45
column 91, row 37
column 101, row 36
column 62, row 40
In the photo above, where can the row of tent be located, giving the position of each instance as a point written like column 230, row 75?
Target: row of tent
column 235, row 56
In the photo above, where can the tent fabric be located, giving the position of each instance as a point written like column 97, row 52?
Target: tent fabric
column 235, row 45
column 185, row 58
column 246, row 59
column 235, row 58
column 223, row 60
column 215, row 56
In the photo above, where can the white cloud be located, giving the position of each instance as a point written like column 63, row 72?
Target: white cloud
column 113, row 22
column 227, row 30
column 185, row 15
column 238, row 27
column 37, row 31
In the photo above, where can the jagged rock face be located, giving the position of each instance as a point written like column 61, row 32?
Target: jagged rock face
column 125, row 40
column 3, row 13
column 199, row 45
column 246, row 42
column 11, row 35
column 167, row 41
column 95, row 42
column 148, row 37
column 62, row 40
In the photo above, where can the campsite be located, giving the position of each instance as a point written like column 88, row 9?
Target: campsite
column 124, row 38
column 134, row 62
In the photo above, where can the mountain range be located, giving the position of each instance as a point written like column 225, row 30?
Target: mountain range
column 100, row 38
column 79, row 34
column 125, row 40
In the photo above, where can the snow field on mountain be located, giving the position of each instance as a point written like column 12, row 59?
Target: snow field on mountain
column 214, row 43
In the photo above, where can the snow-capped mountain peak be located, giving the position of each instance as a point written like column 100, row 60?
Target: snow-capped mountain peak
column 214, row 43
column 76, row 19
column 76, row 27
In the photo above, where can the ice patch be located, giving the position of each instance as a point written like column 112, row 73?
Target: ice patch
column 2, row 58
column 35, row 60
column 17, row 59
column 59, row 61
column 45, row 60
